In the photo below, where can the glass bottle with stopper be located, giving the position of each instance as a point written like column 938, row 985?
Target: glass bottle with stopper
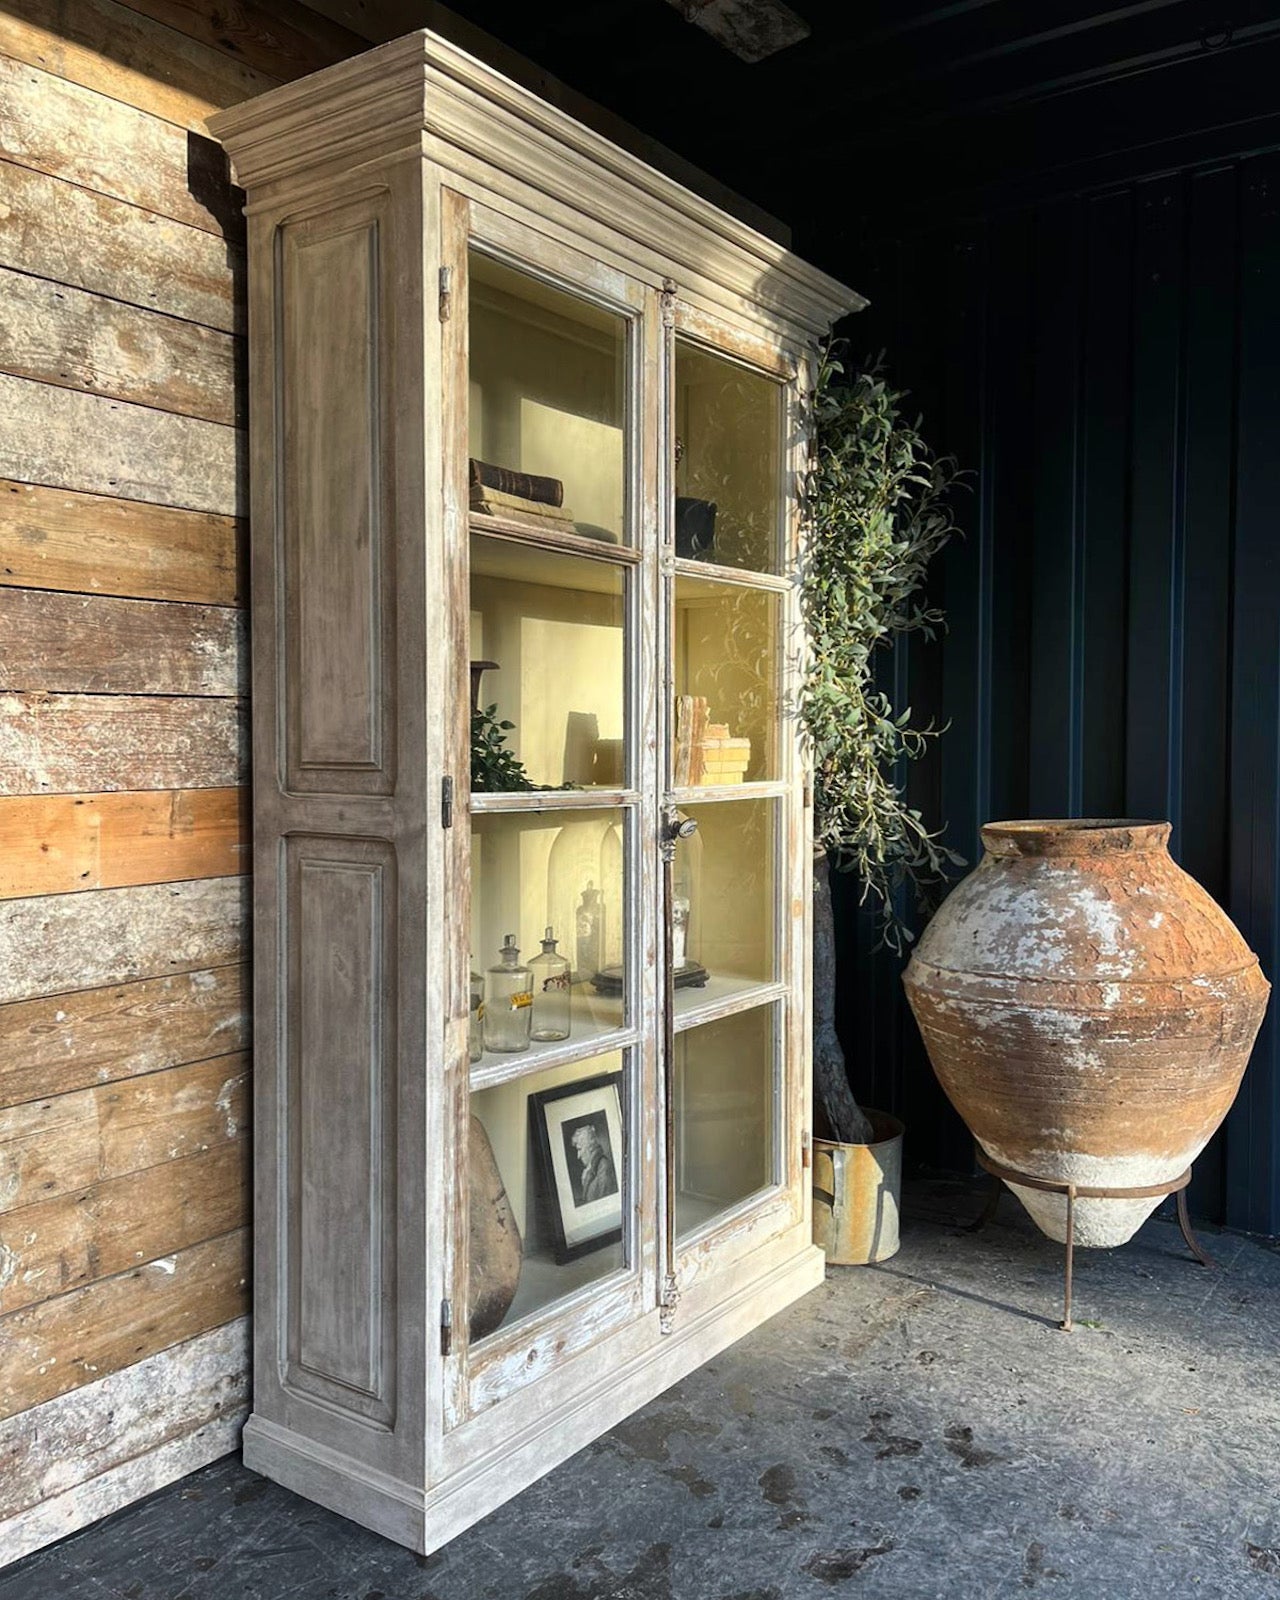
column 508, row 1010
column 551, row 992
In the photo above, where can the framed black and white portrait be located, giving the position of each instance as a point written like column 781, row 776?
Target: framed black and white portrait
column 577, row 1129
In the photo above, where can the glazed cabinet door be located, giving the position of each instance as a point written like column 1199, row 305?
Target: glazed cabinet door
column 551, row 402
column 736, row 892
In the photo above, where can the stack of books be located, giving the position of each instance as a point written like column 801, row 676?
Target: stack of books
column 522, row 497
column 705, row 751
column 724, row 760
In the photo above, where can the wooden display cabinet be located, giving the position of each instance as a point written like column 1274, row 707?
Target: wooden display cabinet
column 444, row 269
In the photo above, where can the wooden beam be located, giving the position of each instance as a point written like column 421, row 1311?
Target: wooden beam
column 57, row 1245
column 71, row 643
column 68, row 440
column 69, row 1142
column 93, row 544
column 70, row 235
column 124, row 55
column 90, row 743
column 279, row 38
column 57, row 127
column 54, row 1044
column 68, row 942
column 77, row 340
column 50, row 1348
column 59, row 844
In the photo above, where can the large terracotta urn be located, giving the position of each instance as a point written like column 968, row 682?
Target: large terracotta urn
column 1089, row 1011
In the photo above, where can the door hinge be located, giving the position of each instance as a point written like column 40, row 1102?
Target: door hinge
column 446, row 802
column 806, row 1150
column 446, row 1327
column 446, row 293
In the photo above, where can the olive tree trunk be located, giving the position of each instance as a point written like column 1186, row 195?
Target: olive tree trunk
column 830, row 1080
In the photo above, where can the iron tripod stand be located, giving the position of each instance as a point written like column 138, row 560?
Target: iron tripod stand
column 1078, row 1191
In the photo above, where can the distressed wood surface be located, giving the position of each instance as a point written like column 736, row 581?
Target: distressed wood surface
column 78, row 340
column 57, row 127
column 50, row 1348
column 66, row 1042
column 70, row 942
column 81, row 744
column 58, row 844
column 79, row 644
column 70, row 1142
column 93, row 544
column 57, row 1245
column 70, row 1459
column 66, row 439
column 70, row 235
column 123, row 54
column 283, row 39
column 57, row 1043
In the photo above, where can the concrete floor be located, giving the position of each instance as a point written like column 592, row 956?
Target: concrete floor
column 919, row 1429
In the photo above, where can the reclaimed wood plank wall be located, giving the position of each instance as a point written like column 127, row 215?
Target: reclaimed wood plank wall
column 124, row 844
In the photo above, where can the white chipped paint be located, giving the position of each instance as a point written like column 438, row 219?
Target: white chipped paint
column 8, row 1265
column 59, row 1016
column 1156, row 920
column 225, row 1103
column 203, row 980
column 167, row 1264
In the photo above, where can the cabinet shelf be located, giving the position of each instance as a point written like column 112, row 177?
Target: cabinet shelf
column 525, row 536
column 723, row 995
column 597, row 1027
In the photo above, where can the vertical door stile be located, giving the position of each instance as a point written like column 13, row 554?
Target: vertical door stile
column 455, row 228
column 651, row 400
column 669, row 1292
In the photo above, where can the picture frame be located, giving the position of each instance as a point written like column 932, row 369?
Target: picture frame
column 578, row 1133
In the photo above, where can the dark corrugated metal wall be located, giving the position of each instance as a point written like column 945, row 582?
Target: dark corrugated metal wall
column 1109, row 365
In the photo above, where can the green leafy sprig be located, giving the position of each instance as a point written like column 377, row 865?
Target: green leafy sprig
column 494, row 768
column 876, row 506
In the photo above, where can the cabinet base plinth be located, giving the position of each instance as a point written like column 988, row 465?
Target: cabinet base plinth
column 426, row 1519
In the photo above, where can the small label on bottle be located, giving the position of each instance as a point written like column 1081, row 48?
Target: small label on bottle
column 521, row 1000
column 550, row 985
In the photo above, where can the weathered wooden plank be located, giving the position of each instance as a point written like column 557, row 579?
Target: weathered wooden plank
column 67, row 942
column 54, row 1246
column 282, row 39
column 71, row 1142
column 95, row 645
column 78, row 1457
column 82, row 744
column 59, row 844
column 57, row 539
column 90, row 241
column 50, row 1348
column 58, row 1043
column 69, row 440
column 57, row 127
column 78, row 340
column 119, row 52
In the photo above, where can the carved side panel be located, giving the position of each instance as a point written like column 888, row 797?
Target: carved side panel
column 340, row 1066
column 335, row 512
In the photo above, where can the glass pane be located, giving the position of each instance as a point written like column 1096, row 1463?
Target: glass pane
column 549, row 1175
column 547, row 405
column 726, row 671
column 725, row 1100
column 546, row 878
column 547, row 656
column 724, row 902
column 728, row 462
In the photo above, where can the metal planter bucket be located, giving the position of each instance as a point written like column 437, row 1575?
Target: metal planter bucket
column 855, row 1194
